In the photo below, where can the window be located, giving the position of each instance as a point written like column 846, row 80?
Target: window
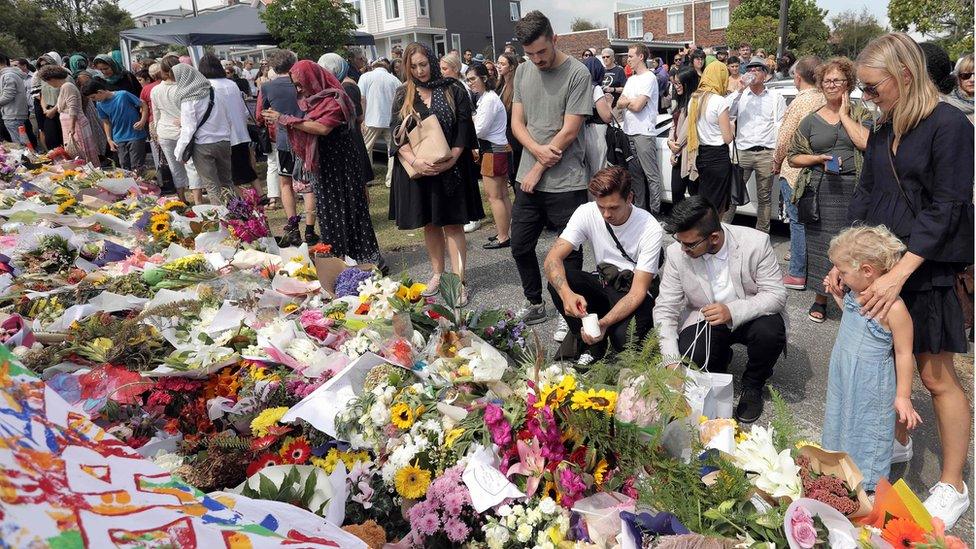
column 720, row 14
column 456, row 42
column 440, row 46
column 635, row 25
column 357, row 16
column 515, row 10
column 423, row 9
column 392, row 9
column 676, row 20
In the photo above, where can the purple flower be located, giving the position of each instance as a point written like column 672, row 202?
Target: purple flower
column 456, row 530
column 572, row 487
column 453, row 503
column 493, row 414
column 427, row 524
column 347, row 283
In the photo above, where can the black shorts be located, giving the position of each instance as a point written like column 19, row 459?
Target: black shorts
column 286, row 163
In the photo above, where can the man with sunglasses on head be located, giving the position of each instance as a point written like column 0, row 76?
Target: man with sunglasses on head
column 721, row 285
column 614, row 78
column 758, row 113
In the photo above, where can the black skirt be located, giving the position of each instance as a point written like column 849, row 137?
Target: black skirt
column 415, row 203
column 938, row 320
column 240, row 164
column 715, row 175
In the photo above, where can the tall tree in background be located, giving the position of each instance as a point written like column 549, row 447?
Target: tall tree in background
column 808, row 33
column 948, row 22
column 107, row 21
column 30, row 28
column 90, row 26
column 310, row 27
column 853, row 30
column 581, row 24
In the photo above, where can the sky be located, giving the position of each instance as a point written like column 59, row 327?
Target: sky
column 560, row 12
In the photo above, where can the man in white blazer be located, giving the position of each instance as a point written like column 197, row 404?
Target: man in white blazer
column 721, row 285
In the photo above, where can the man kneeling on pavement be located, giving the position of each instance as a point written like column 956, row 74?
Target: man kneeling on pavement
column 721, row 285
column 626, row 241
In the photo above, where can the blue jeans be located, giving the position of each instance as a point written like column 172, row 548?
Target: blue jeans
column 13, row 126
column 798, row 234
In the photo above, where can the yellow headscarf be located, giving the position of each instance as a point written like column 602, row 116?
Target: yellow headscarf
column 715, row 79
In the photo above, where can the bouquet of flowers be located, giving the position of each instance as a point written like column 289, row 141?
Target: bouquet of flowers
column 245, row 218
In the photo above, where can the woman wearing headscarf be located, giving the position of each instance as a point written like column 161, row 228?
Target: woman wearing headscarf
column 115, row 76
column 595, row 128
column 445, row 196
column 81, row 77
column 322, row 141
column 663, row 84
column 46, row 101
column 210, row 137
column 78, row 134
column 709, row 133
column 339, row 67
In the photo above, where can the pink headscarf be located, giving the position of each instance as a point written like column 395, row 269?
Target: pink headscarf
column 323, row 100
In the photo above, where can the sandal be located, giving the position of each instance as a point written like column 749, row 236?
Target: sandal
column 464, row 296
column 433, row 287
column 817, row 309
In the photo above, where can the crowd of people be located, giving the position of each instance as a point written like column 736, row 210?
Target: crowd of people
column 878, row 192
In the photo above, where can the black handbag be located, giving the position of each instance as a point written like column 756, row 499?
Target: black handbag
column 613, row 276
column 808, row 205
column 188, row 151
column 739, row 193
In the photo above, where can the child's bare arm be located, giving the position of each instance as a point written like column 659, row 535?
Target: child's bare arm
column 902, row 332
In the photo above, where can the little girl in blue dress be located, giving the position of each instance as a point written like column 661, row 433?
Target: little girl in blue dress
column 871, row 366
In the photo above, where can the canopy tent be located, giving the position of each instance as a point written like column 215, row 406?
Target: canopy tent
column 240, row 24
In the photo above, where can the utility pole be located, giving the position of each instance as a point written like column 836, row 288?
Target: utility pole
column 194, row 2
column 491, row 17
column 784, row 10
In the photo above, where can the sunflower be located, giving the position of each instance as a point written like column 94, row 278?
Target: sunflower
column 264, row 460
column 592, row 399
column 554, row 395
column 402, row 415
column 173, row 205
column 412, row 482
column 600, row 472
column 159, row 228
column 902, row 533
column 295, row 450
column 63, row 207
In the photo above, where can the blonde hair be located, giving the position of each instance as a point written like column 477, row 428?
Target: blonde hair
column 965, row 64
column 876, row 246
column 895, row 53
column 452, row 61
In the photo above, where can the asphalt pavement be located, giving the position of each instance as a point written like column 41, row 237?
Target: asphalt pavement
column 800, row 375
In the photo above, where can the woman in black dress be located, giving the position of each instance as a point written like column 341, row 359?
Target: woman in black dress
column 445, row 196
column 339, row 67
column 324, row 148
column 918, row 181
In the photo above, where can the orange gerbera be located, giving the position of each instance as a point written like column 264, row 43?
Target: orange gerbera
column 296, row 450
column 902, row 533
column 262, row 461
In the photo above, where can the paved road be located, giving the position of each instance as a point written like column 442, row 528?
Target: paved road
column 801, row 376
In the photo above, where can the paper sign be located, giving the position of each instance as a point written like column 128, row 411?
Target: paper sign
column 488, row 486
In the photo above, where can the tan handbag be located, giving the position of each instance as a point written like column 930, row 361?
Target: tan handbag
column 426, row 140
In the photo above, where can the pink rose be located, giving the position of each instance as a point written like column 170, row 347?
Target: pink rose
column 804, row 532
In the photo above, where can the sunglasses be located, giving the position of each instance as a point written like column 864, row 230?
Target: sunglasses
column 965, row 75
column 606, row 56
column 872, row 89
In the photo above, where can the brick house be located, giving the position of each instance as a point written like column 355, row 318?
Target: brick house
column 700, row 21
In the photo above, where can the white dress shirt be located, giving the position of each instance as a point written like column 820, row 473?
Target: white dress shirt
column 758, row 117
column 490, row 119
column 378, row 87
column 717, row 267
column 217, row 128
column 227, row 92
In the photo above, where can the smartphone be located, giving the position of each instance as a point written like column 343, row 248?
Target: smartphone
column 832, row 166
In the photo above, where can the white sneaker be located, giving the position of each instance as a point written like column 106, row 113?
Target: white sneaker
column 947, row 503
column 901, row 453
column 472, row 226
column 586, row 359
column 562, row 330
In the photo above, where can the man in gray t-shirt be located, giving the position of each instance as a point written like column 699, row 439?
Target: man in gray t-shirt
column 553, row 96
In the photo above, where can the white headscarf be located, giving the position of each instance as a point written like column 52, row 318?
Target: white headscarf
column 190, row 83
column 56, row 57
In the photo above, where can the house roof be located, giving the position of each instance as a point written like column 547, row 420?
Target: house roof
column 178, row 12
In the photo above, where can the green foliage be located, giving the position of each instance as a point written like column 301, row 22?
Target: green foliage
column 91, row 26
column 11, row 46
column 35, row 30
column 292, row 490
column 310, row 27
column 949, row 22
column 787, row 434
column 757, row 22
column 853, row 30
column 107, row 21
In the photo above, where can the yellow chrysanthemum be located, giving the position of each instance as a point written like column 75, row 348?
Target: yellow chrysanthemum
column 290, row 308
column 402, row 415
column 412, row 482
column 592, row 399
column 600, row 472
column 267, row 419
column 415, row 291
column 451, row 437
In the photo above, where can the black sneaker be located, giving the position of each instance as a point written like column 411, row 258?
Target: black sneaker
column 750, row 406
column 291, row 237
column 310, row 237
column 532, row 313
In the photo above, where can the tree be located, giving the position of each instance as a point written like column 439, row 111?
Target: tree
column 581, row 24
column 74, row 17
column 34, row 28
column 807, row 31
column 853, row 30
column 291, row 23
column 107, row 21
column 10, row 46
column 948, row 22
